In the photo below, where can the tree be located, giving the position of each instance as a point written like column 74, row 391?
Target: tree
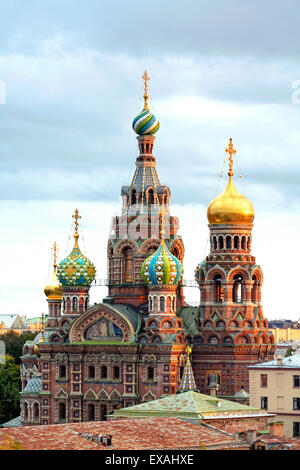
column 290, row 351
column 8, row 443
column 10, row 386
column 14, row 343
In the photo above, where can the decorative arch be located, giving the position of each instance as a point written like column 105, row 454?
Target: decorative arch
column 177, row 249
column 115, row 395
column 124, row 244
column 242, row 338
column 98, row 312
column 198, row 339
column 149, row 396
column 103, row 395
column 238, row 270
column 149, row 245
column 90, row 395
column 216, row 270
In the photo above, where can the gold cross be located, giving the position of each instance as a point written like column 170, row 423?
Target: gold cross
column 55, row 255
column 188, row 350
column 231, row 152
column 146, row 79
column 76, row 217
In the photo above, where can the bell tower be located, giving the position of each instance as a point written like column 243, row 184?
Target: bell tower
column 135, row 233
column 233, row 332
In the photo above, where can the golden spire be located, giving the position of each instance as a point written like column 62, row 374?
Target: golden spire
column 188, row 351
column 146, row 79
column 42, row 340
column 54, row 256
column 231, row 152
column 162, row 229
column 76, row 217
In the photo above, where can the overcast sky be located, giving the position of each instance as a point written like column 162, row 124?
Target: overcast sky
column 72, row 74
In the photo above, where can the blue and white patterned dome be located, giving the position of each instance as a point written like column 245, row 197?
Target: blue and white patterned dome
column 34, row 385
column 162, row 267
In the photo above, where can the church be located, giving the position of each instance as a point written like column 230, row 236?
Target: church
column 139, row 343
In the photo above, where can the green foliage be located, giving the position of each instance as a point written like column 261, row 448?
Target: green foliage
column 290, row 351
column 14, row 343
column 10, row 386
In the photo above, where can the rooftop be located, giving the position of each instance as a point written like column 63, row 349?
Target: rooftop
column 190, row 405
column 289, row 362
column 127, row 434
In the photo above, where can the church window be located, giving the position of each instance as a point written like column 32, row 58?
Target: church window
column 244, row 243
column 62, row 372
column 91, row 372
column 74, row 304
column 86, row 303
column 128, row 265
column 162, row 304
column 237, row 289
column 219, row 291
column 104, row 372
column 116, row 372
column 26, row 410
column 150, row 197
column 133, row 197
column 150, row 373
column 62, row 412
column 228, row 242
column 91, row 412
column 173, row 304
column 221, row 243
column 214, row 243
column 236, row 242
column 36, row 411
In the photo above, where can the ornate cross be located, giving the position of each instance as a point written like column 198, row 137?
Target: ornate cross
column 146, row 79
column 76, row 217
column 162, row 215
column 231, row 152
column 54, row 255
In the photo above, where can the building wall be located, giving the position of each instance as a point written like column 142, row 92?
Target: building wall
column 239, row 424
column 280, row 393
column 285, row 334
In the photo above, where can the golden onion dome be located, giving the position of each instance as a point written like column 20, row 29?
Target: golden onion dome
column 230, row 207
column 53, row 289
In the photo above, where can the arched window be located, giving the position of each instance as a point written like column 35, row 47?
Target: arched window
column 228, row 242
column 155, row 304
column 244, row 243
column 168, row 303
column 173, row 304
column 86, row 303
column 133, row 197
column 214, row 243
column 104, row 372
column 150, row 373
column 64, row 304
column 181, row 370
column 62, row 412
column 237, row 288
column 91, row 372
column 221, row 243
column 162, row 304
column 36, row 412
column 150, row 197
column 150, row 304
column 128, row 265
column 62, row 372
column 248, row 243
column 236, row 242
column 218, row 290
column 74, row 304
column 91, row 412
column 116, row 372
column 254, row 290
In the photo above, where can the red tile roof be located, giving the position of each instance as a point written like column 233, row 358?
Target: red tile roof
column 127, row 434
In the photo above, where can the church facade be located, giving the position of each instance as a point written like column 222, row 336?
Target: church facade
column 131, row 348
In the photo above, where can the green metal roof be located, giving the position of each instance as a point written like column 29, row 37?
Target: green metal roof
column 190, row 405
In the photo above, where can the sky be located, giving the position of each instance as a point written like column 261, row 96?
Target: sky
column 71, row 72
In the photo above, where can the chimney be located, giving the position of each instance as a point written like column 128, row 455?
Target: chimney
column 251, row 436
column 276, row 429
column 279, row 360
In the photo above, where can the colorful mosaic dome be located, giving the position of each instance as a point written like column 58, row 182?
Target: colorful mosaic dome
column 76, row 270
column 34, row 385
column 145, row 123
column 161, row 267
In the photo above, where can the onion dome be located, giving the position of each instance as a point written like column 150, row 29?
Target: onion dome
column 161, row 267
column 145, row 123
column 53, row 289
column 230, row 207
column 76, row 269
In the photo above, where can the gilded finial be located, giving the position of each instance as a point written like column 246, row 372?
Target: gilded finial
column 54, row 256
column 76, row 217
column 42, row 340
column 231, row 152
column 188, row 350
column 162, row 230
column 146, row 79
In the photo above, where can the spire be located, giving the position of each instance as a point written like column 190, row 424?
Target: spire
column 76, row 217
column 231, row 152
column 53, row 289
column 146, row 79
column 188, row 381
column 42, row 340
